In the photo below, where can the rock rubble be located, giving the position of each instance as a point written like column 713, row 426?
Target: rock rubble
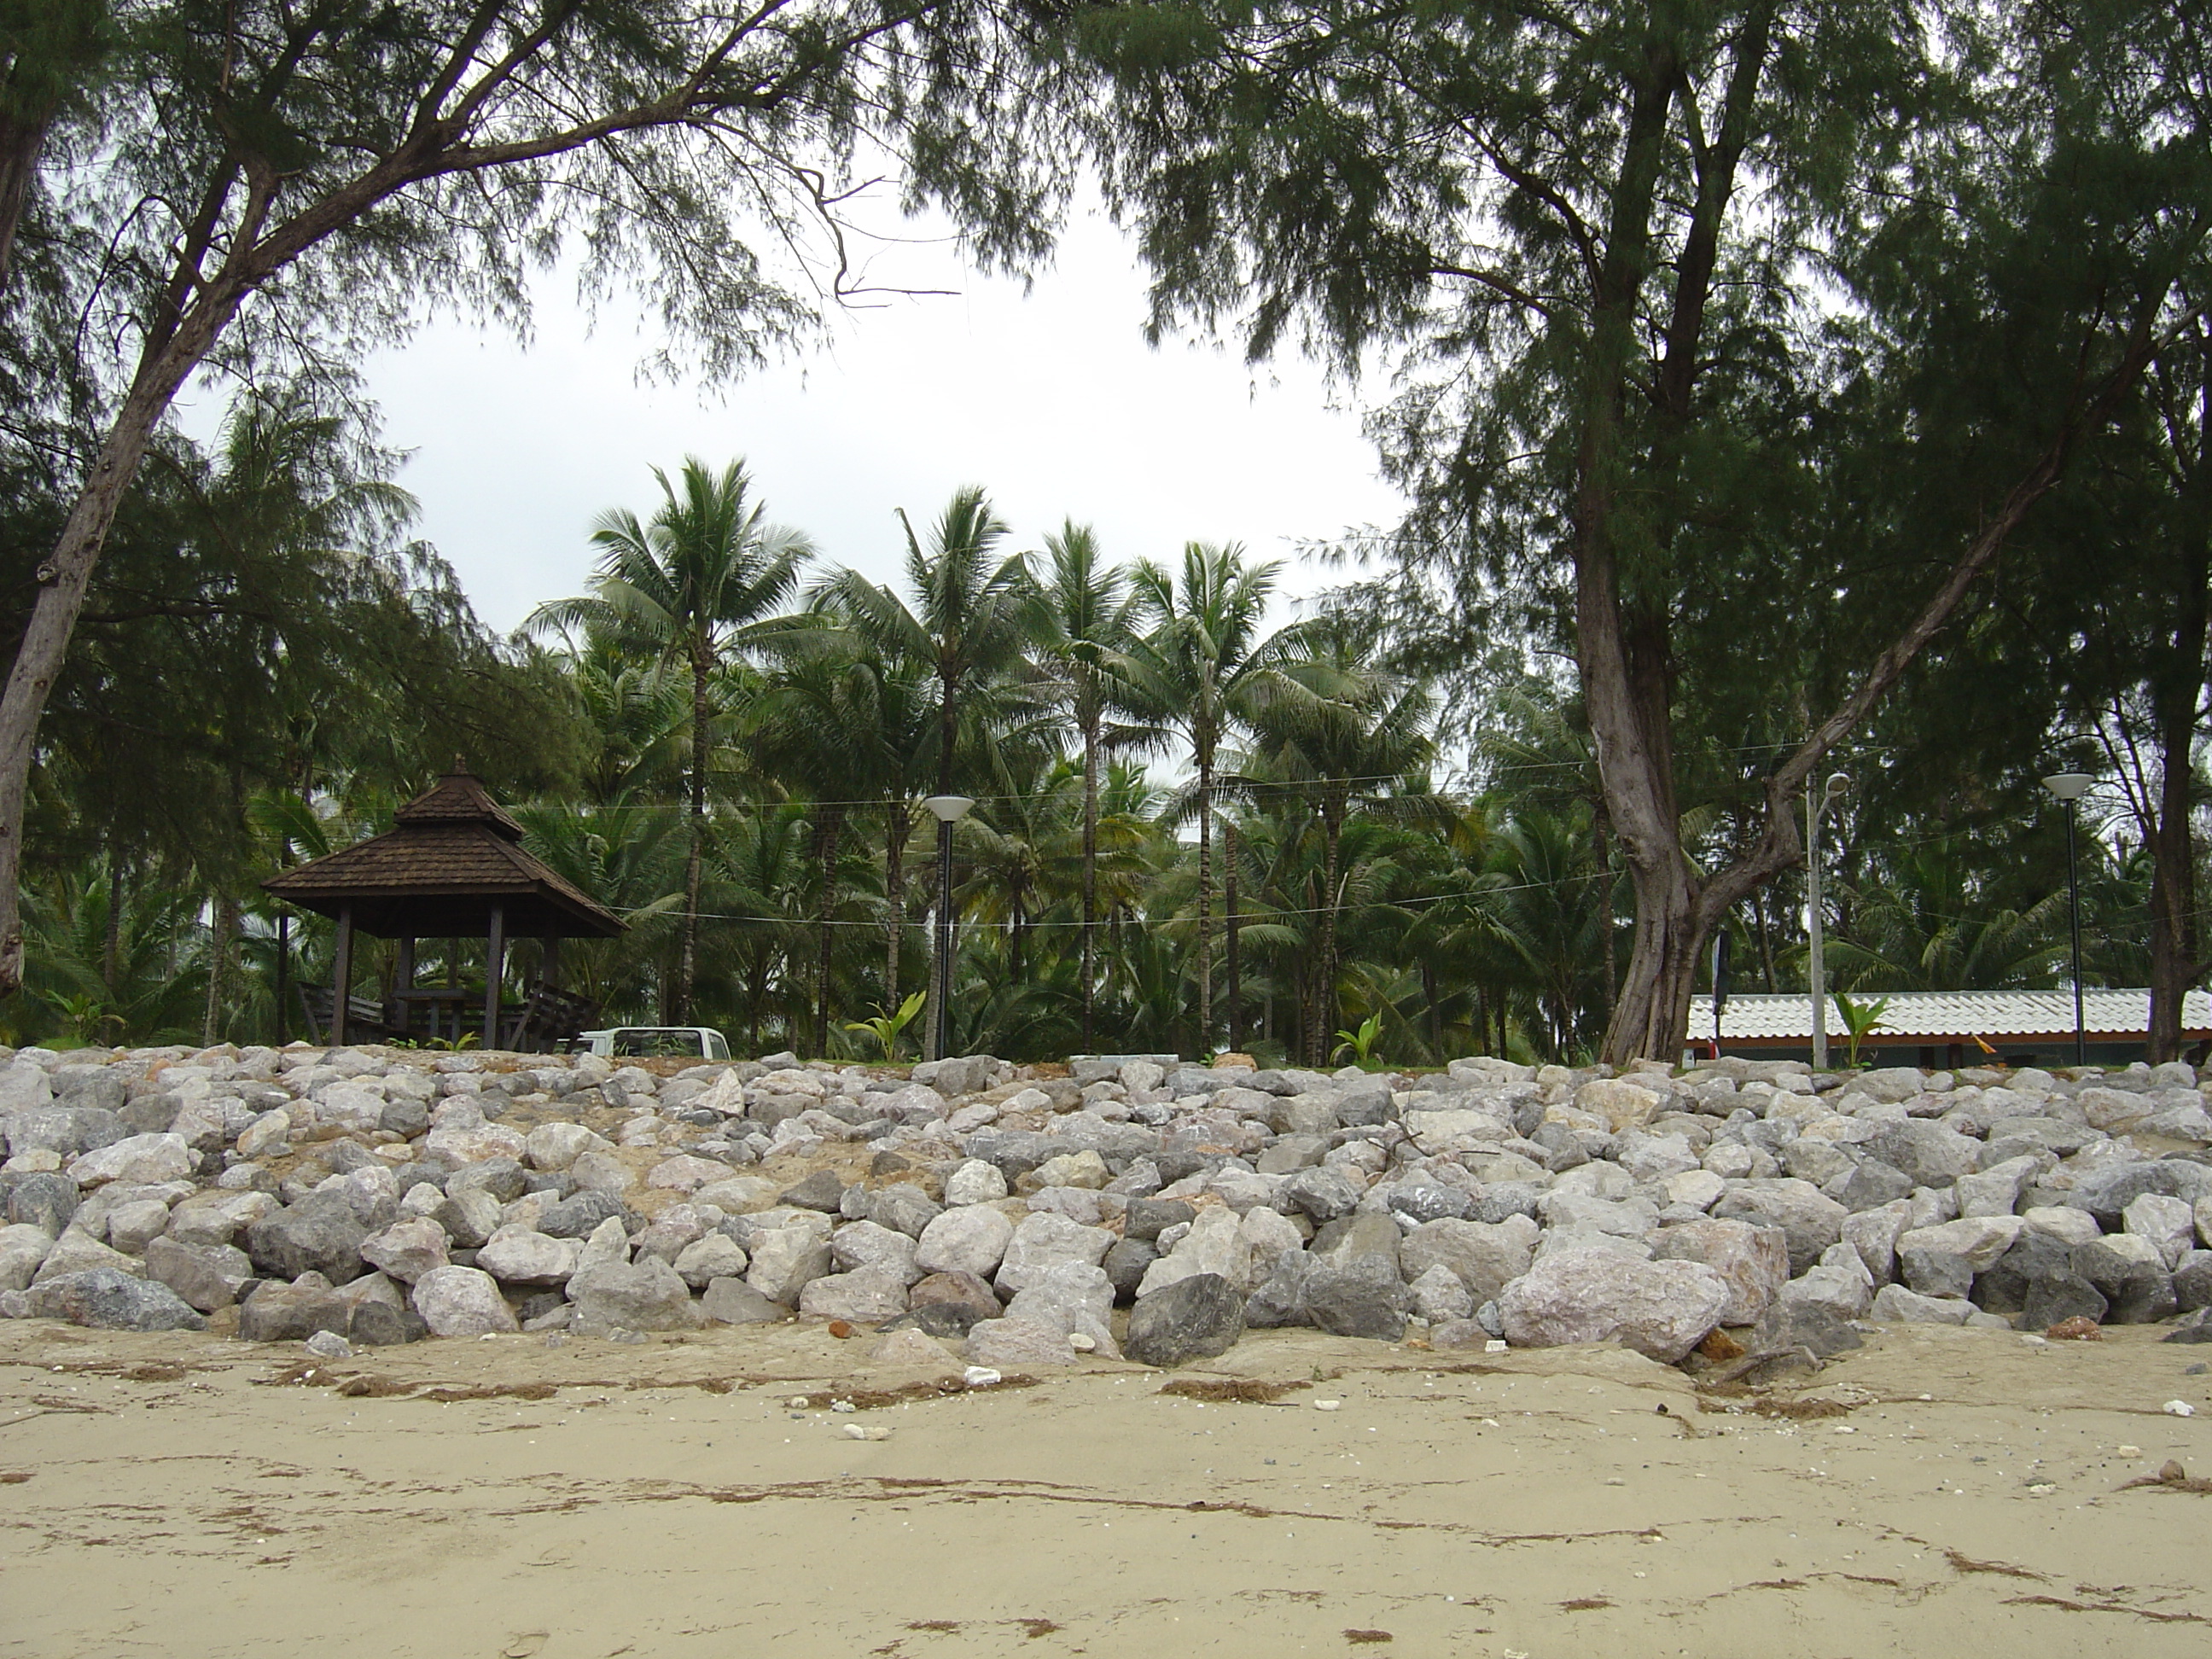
column 374, row 1196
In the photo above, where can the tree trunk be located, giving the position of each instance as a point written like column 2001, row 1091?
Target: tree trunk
column 62, row 581
column 22, row 136
column 1089, row 880
column 2174, row 962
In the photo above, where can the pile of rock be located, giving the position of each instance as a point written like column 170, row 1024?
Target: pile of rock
column 381, row 1195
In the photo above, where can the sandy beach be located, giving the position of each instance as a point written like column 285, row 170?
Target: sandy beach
column 1942, row 1491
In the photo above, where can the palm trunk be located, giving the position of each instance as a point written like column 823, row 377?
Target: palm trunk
column 1204, row 901
column 832, row 826
column 1235, row 986
column 218, row 953
column 900, row 829
column 1090, row 878
column 112, row 963
column 687, row 961
column 1325, row 1005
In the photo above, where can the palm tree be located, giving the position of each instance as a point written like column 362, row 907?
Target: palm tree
column 1333, row 730
column 848, row 725
column 1093, row 615
column 687, row 588
column 975, row 615
column 1195, row 671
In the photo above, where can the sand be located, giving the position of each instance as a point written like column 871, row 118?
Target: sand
column 1943, row 1492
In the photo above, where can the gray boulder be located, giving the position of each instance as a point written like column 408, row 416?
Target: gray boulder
column 1125, row 1266
column 319, row 1234
column 1894, row 1304
column 462, row 1302
column 1927, row 1153
column 1809, row 1219
column 1362, row 1296
column 1486, row 1258
column 2130, row 1274
column 902, row 1207
column 45, row 1199
column 1195, row 1318
column 1942, row 1260
column 71, row 1131
column 645, row 1295
column 1321, row 1194
column 733, row 1302
column 2106, row 1192
column 867, row 1296
column 1753, row 1261
column 23, row 1250
column 205, row 1277
column 2057, row 1296
column 577, row 1216
column 949, row 1304
column 1280, row 1297
column 108, row 1300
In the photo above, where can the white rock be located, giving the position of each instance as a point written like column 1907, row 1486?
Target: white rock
column 685, row 1174
column 865, row 1244
column 2064, row 1223
column 717, row 1255
column 475, row 1146
column 557, row 1145
column 518, row 1255
column 1043, row 1240
column 23, row 1249
column 407, row 1249
column 141, row 1158
column 461, row 1302
column 971, row 1239
column 2169, row 1224
column 866, row 1297
column 1214, row 1244
column 1661, row 1308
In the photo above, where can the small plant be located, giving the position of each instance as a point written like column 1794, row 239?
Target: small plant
column 1361, row 1042
column 885, row 1027
column 82, row 1016
column 1860, row 1019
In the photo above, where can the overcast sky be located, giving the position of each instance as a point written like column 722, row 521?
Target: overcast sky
column 1052, row 401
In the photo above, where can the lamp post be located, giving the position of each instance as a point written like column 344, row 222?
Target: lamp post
column 2070, row 787
column 1816, row 969
column 947, row 809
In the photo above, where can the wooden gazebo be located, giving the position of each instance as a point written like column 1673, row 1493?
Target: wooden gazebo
column 452, row 866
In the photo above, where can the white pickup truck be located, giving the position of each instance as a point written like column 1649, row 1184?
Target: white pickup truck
column 655, row 1043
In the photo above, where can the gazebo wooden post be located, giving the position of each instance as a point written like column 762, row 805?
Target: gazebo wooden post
column 549, row 964
column 342, row 977
column 403, row 980
column 495, row 972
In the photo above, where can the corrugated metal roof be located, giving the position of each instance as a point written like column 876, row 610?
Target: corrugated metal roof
column 1951, row 1015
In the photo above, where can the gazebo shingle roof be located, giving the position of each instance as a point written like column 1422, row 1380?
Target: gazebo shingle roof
column 451, row 856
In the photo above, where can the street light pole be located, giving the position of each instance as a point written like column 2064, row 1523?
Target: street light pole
column 1816, row 968
column 948, row 809
column 2070, row 787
